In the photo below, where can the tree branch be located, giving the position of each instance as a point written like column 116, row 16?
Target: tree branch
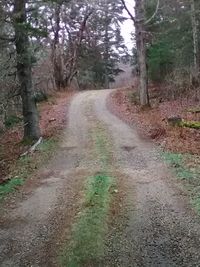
column 8, row 39
column 128, row 11
column 154, row 14
column 32, row 149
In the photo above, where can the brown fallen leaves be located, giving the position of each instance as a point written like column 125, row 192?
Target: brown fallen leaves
column 153, row 123
column 53, row 118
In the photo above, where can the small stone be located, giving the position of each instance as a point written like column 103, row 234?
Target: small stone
column 52, row 119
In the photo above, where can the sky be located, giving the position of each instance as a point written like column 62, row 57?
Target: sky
column 128, row 27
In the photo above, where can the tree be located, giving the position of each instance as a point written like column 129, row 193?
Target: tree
column 141, row 51
column 195, row 38
column 140, row 36
column 24, row 66
column 173, row 44
column 111, row 17
column 81, row 40
column 56, row 50
column 94, row 42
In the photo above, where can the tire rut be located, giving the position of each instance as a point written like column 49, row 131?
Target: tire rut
column 157, row 225
column 153, row 226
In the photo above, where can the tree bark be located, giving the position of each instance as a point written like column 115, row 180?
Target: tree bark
column 71, row 65
column 195, row 38
column 57, row 59
column 141, row 51
column 106, row 51
column 24, row 72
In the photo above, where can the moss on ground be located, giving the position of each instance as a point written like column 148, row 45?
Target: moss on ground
column 190, row 124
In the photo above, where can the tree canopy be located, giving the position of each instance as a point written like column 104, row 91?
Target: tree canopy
column 52, row 44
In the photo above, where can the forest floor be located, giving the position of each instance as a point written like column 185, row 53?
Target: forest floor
column 152, row 122
column 52, row 122
column 106, row 198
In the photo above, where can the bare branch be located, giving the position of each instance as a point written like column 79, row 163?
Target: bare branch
column 5, row 38
column 128, row 11
column 32, row 149
column 154, row 14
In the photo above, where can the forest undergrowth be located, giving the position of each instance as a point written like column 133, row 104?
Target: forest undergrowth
column 14, row 169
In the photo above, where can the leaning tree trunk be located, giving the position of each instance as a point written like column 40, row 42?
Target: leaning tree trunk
column 31, row 121
column 141, row 51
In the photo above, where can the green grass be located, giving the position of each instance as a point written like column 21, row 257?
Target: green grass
column 10, row 186
column 26, row 166
column 179, row 164
column 186, row 168
column 87, row 240
column 89, row 230
column 102, row 150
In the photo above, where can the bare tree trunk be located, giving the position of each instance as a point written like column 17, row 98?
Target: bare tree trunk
column 139, row 22
column 195, row 38
column 57, row 60
column 106, row 51
column 71, row 65
column 106, row 58
column 31, row 121
column 141, row 51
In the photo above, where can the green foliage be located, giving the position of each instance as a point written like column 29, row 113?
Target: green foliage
column 171, row 44
column 93, row 68
column 160, row 60
column 99, row 58
column 12, row 121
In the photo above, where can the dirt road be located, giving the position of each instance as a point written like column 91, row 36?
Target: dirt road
column 153, row 225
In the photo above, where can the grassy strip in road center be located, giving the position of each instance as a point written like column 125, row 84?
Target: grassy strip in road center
column 87, row 239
